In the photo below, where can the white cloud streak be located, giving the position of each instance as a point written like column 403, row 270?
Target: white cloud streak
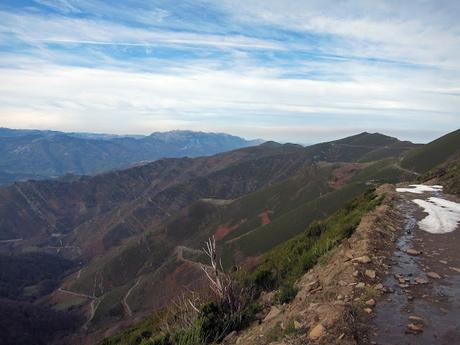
column 368, row 66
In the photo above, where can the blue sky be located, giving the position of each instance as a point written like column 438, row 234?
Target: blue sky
column 301, row 71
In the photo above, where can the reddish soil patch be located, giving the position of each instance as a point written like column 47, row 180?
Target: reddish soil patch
column 265, row 217
column 225, row 229
column 343, row 173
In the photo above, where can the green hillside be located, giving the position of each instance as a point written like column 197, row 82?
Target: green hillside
column 447, row 175
column 434, row 153
column 278, row 268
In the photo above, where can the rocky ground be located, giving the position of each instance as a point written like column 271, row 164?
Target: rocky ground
column 389, row 284
column 332, row 297
column 423, row 277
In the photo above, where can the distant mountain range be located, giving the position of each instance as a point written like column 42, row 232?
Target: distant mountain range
column 35, row 154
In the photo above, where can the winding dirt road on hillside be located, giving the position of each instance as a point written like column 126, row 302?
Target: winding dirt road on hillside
column 124, row 302
column 422, row 305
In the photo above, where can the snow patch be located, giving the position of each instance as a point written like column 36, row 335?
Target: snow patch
column 443, row 215
column 420, row 189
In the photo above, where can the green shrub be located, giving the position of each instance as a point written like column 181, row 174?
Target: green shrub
column 291, row 259
column 278, row 269
column 286, row 293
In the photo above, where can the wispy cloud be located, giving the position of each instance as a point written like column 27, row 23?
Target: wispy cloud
column 63, row 6
column 284, row 70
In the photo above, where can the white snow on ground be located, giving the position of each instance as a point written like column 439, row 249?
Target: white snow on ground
column 443, row 215
column 419, row 189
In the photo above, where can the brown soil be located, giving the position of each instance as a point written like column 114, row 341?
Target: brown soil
column 332, row 296
column 343, row 173
column 225, row 229
column 434, row 304
column 265, row 217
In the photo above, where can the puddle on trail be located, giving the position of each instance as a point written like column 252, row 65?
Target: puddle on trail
column 437, row 302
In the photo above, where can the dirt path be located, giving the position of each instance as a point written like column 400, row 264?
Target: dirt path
column 180, row 255
column 92, row 311
column 75, row 293
column 127, row 309
column 423, row 303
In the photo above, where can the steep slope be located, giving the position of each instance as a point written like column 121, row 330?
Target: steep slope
column 140, row 196
column 42, row 154
column 447, row 175
column 138, row 232
column 434, row 153
column 288, row 317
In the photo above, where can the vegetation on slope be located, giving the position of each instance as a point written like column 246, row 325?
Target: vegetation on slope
column 45, row 154
column 25, row 323
column 432, row 154
column 24, row 278
column 448, row 175
column 29, row 275
column 278, row 269
column 293, row 222
column 288, row 261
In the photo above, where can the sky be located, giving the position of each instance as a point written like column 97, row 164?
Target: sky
column 286, row 70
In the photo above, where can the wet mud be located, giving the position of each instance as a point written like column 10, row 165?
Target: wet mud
column 422, row 305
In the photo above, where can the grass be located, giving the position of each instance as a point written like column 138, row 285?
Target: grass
column 384, row 171
column 278, row 269
column 447, row 175
column 292, row 223
column 432, row 154
column 70, row 303
column 288, row 261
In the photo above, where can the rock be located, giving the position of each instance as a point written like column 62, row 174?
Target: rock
column 416, row 319
column 274, row 312
column 230, row 338
column 379, row 287
column 317, row 332
column 349, row 254
column 433, row 275
column 342, row 283
column 362, row 259
column 360, row 285
column 370, row 274
column 339, row 297
column 443, row 262
column 455, row 269
column 267, row 298
column 368, row 310
column 413, row 252
column 355, row 273
column 297, row 325
column 414, row 329
column 313, row 285
column 420, row 280
column 371, row 302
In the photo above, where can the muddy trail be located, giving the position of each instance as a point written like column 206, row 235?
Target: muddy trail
column 422, row 301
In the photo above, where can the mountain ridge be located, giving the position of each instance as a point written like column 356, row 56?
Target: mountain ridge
column 34, row 154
